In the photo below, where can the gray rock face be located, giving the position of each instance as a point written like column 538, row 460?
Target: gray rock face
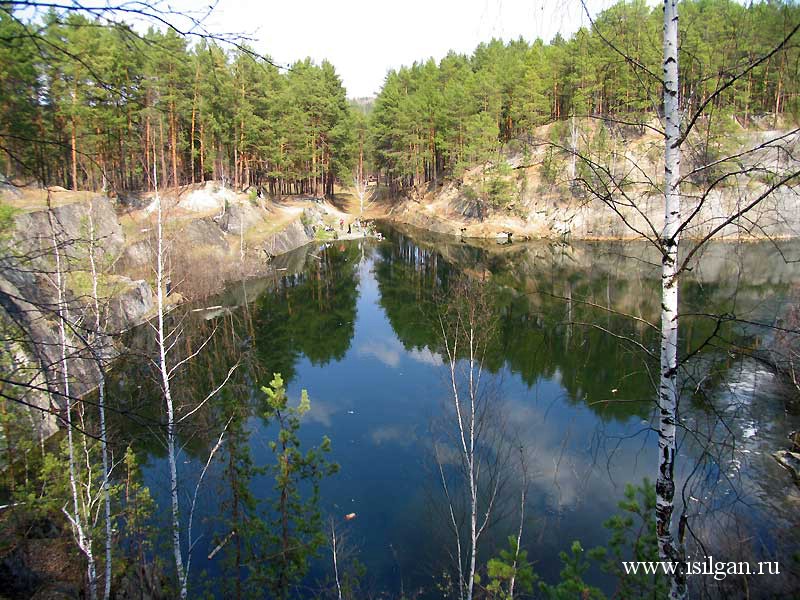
column 8, row 190
column 33, row 231
column 136, row 258
column 28, row 297
column 239, row 216
column 131, row 306
column 203, row 232
column 293, row 236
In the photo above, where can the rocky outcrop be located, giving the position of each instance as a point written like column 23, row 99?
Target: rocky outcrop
column 538, row 204
column 204, row 245
column 291, row 237
column 73, row 226
column 29, row 306
column 131, row 305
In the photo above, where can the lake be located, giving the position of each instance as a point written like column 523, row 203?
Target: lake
column 354, row 324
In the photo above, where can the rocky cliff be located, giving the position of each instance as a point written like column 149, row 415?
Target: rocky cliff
column 539, row 191
column 207, row 246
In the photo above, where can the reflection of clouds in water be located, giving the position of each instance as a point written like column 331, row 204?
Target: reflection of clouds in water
column 393, row 434
column 389, row 352
column 557, row 463
column 556, row 470
column 426, row 356
column 448, row 456
column 321, row 412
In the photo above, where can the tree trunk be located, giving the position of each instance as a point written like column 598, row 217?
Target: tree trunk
column 161, row 145
column 101, row 405
column 162, row 348
column 74, row 145
column 668, row 384
column 76, row 518
column 202, row 153
column 173, row 134
column 194, row 116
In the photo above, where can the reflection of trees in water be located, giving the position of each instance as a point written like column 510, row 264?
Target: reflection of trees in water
column 558, row 306
column 311, row 313
column 548, row 329
column 529, row 287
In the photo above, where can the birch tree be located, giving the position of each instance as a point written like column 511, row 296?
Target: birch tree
column 466, row 328
column 76, row 516
column 164, row 371
column 166, row 340
column 101, row 393
column 668, row 383
column 606, row 186
column 360, row 186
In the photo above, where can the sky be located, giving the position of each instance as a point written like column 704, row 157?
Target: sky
column 365, row 38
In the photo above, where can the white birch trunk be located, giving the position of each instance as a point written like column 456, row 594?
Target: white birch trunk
column 335, row 560
column 361, row 190
column 101, row 404
column 574, row 147
column 162, row 349
column 62, row 314
column 523, row 496
column 468, row 431
column 473, row 486
column 668, row 384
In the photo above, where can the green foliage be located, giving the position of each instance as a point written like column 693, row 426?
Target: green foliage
column 314, row 314
column 294, row 528
column 322, row 234
column 46, row 492
column 512, row 563
column 633, row 537
column 138, row 508
column 7, row 213
column 572, row 585
column 498, row 185
column 469, row 192
column 216, row 113
column 551, row 166
column 351, row 578
column 211, row 113
column 716, row 138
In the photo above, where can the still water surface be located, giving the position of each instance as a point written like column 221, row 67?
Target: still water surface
column 353, row 323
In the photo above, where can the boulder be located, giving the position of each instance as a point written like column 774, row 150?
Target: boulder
column 238, row 215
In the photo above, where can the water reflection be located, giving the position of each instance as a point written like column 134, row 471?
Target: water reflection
column 355, row 324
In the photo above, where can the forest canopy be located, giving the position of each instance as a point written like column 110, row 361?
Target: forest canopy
column 440, row 117
column 88, row 106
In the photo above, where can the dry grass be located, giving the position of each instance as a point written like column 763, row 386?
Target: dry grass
column 33, row 199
